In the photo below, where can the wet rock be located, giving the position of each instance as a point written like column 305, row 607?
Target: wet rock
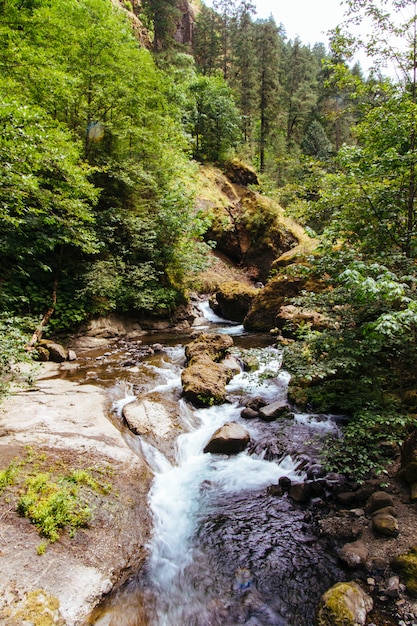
column 315, row 471
column 284, row 482
column 231, row 438
column 213, row 345
column 406, row 566
column 256, row 403
column 378, row 500
column 275, row 490
column 234, row 300
column 344, row 604
column 232, row 364
column 204, row 381
column 300, row 492
column 354, row 554
column 385, row 525
column 248, row 413
column 272, row 411
column 147, row 418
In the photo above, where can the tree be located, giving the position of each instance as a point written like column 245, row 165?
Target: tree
column 244, row 75
column 215, row 118
column 206, row 41
column 267, row 52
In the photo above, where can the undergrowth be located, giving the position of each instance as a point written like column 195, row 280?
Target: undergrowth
column 52, row 496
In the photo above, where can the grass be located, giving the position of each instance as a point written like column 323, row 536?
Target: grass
column 54, row 497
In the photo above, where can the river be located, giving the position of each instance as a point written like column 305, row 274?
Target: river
column 225, row 549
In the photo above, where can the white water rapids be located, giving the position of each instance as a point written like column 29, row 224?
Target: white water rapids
column 183, row 490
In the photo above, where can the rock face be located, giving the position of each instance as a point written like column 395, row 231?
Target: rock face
column 231, row 438
column 204, row 379
column 234, row 300
column 263, row 315
column 344, row 604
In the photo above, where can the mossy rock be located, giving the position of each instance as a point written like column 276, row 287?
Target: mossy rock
column 240, row 173
column 204, row 381
column 344, row 604
column 263, row 314
column 213, row 345
column 39, row 609
column 234, row 300
column 406, row 566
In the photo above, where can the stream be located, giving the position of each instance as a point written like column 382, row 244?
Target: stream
column 224, row 549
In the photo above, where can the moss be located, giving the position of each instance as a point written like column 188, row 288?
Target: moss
column 40, row 609
column 342, row 604
column 406, row 566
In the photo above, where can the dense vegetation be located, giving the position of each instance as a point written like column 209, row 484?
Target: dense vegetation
column 99, row 142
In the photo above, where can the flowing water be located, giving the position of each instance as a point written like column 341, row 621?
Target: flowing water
column 224, row 549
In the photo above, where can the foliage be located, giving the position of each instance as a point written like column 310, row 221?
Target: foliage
column 367, row 443
column 91, row 152
column 214, row 119
column 14, row 337
column 52, row 500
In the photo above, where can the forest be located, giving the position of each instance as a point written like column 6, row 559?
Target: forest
column 102, row 137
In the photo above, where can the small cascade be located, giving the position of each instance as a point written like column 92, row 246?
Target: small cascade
column 223, row 551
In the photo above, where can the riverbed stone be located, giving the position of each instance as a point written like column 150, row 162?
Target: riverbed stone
column 213, row 345
column 148, row 418
column 204, row 381
column 231, row 438
column 272, row 411
column 247, row 413
column 344, row 604
column 300, row 492
column 354, row 554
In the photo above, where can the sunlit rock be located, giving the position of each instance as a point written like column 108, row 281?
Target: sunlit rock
column 344, row 604
column 231, row 438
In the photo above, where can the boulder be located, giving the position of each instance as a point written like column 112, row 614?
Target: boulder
column 384, row 524
column 354, row 554
column 147, row 418
column 57, row 353
column 231, row 438
column 213, row 345
column 300, row 492
column 290, row 318
column 378, row 500
column 406, row 566
column 247, row 413
column 344, row 604
column 270, row 412
column 234, row 300
column 204, row 381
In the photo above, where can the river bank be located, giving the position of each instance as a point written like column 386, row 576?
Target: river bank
column 64, row 426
